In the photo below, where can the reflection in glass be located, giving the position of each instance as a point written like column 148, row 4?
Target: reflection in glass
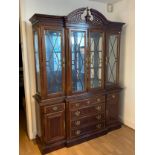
column 36, row 51
column 96, row 59
column 53, row 61
column 78, row 54
column 112, row 59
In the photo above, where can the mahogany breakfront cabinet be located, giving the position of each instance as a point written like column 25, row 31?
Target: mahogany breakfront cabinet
column 77, row 77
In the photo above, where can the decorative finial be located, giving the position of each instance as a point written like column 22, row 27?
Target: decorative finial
column 87, row 17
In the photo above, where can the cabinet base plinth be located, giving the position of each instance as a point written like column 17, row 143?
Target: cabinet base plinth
column 90, row 136
column 84, row 138
column 114, row 126
column 46, row 148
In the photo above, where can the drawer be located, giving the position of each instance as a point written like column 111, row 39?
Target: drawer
column 99, row 108
column 87, row 120
column 54, row 108
column 87, row 102
column 87, row 130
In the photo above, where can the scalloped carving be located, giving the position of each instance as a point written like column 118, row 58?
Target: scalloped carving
column 85, row 15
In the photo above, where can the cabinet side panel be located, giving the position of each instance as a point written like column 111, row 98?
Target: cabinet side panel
column 38, row 120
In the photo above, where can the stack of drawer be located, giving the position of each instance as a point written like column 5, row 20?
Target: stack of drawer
column 87, row 116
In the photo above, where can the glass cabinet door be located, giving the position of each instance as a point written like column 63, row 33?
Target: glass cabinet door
column 96, row 59
column 54, row 61
column 37, row 66
column 78, row 53
column 112, row 60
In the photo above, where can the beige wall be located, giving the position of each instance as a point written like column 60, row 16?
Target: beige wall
column 126, row 13
column 63, row 7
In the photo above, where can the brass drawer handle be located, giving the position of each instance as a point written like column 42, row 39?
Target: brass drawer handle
column 77, row 104
column 78, row 132
column 77, row 123
column 98, row 99
column 113, row 96
column 88, row 102
column 98, row 126
column 77, row 113
column 98, row 108
column 98, row 117
column 55, row 108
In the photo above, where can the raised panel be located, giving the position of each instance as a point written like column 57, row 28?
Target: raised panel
column 112, row 108
column 54, row 127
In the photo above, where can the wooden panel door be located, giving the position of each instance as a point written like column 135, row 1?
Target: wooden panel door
column 112, row 108
column 54, row 127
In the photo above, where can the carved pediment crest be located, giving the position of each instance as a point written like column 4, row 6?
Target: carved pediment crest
column 86, row 15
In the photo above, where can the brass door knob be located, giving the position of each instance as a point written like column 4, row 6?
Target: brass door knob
column 63, row 65
column 63, row 62
column 106, row 61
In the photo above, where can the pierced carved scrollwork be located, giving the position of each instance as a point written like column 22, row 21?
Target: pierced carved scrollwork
column 98, row 18
column 86, row 15
column 75, row 16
